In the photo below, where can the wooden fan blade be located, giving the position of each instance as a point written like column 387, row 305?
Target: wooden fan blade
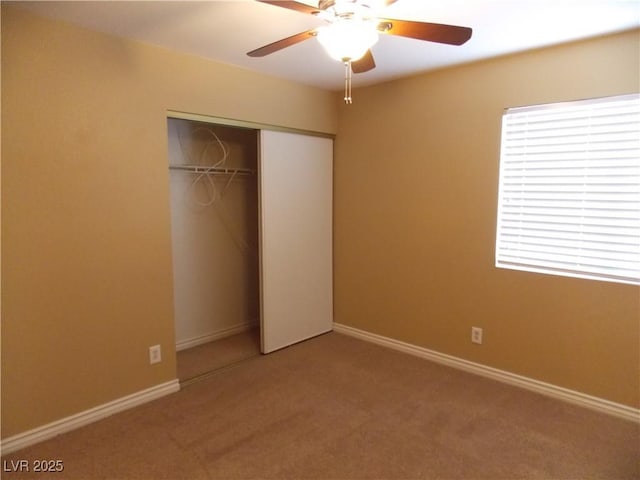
column 364, row 64
column 297, row 6
column 431, row 32
column 283, row 43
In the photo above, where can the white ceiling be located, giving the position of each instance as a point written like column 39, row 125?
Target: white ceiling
column 226, row 30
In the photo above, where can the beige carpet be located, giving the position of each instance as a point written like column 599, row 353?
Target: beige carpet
column 339, row 408
column 203, row 359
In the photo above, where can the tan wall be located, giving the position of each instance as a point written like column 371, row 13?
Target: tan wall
column 416, row 181
column 86, row 242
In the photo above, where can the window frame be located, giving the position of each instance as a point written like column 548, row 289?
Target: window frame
column 507, row 254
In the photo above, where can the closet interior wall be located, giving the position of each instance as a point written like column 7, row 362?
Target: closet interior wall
column 214, row 221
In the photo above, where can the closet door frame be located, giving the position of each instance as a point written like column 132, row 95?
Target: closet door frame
column 325, row 304
column 232, row 122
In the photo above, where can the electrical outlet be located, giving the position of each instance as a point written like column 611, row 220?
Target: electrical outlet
column 476, row 335
column 155, row 354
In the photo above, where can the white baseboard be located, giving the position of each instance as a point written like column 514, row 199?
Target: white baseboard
column 571, row 396
column 31, row 437
column 217, row 335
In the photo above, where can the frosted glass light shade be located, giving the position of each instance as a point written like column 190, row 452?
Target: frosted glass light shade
column 348, row 40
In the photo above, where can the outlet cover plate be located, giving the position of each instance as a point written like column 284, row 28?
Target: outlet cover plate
column 476, row 335
column 155, row 354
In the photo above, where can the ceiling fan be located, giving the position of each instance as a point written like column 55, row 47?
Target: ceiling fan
column 353, row 28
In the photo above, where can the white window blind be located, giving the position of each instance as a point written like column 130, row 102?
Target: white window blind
column 569, row 200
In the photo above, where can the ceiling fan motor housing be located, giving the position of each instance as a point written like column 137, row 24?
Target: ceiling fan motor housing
column 342, row 9
column 326, row 4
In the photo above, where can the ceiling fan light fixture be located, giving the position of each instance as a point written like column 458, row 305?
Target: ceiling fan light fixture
column 348, row 40
column 354, row 27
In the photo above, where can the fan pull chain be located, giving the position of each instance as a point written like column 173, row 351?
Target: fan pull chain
column 347, row 82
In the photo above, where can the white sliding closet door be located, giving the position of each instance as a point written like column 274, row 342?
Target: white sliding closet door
column 296, row 178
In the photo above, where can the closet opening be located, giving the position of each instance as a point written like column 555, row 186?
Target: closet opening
column 214, row 227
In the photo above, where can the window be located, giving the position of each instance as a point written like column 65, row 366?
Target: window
column 569, row 201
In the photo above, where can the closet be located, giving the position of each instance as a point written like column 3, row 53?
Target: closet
column 251, row 220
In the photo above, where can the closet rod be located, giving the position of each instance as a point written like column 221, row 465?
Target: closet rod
column 215, row 170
